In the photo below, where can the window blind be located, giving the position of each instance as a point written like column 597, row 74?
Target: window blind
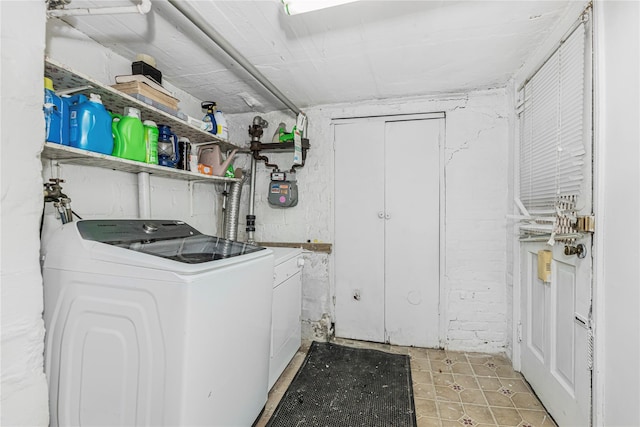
column 552, row 138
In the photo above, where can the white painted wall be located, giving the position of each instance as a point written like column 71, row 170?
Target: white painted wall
column 22, row 381
column 476, row 205
column 617, row 290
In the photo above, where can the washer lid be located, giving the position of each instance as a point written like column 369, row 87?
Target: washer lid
column 175, row 240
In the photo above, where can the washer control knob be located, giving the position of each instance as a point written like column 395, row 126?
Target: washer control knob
column 149, row 227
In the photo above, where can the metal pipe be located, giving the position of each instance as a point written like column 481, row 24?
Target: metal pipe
column 251, row 218
column 144, row 195
column 143, row 8
column 202, row 24
column 232, row 211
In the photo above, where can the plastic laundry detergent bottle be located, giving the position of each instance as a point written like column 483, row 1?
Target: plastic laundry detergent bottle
column 221, row 125
column 89, row 124
column 56, row 115
column 151, row 141
column 128, row 135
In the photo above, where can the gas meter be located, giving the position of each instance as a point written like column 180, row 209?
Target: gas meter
column 283, row 189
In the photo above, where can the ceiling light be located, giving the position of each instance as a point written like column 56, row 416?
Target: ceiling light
column 294, row 7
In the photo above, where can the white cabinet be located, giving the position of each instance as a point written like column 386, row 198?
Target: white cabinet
column 286, row 310
column 387, row 228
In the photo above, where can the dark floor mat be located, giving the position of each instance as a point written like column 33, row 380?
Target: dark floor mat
column 339, row 386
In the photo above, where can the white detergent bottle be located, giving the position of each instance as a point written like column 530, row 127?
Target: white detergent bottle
column 222, row 130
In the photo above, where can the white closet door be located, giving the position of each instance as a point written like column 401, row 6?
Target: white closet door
column 412, row 224
column 359, row 230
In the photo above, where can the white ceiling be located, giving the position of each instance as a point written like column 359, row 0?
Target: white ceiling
column 365, row 50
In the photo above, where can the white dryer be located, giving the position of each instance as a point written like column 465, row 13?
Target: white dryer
column 151, row 323
column 287, row 309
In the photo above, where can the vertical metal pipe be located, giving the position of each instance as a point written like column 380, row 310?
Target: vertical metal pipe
column 144, row 195
column 252, row 198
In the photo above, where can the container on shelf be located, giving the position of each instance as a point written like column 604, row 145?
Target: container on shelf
column 128, row 135
column 151, row 141
column 56, row 115
column 89, row 124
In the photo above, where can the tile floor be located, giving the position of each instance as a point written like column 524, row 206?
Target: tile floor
column 449, row 388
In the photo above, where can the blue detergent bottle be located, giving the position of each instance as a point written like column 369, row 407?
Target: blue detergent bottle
column 56, row 115
column 90, row 124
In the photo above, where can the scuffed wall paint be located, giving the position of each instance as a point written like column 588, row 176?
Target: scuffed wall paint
column 476, row 156
column 23, row 384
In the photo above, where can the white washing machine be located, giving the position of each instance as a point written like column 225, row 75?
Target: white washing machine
column 151, row 323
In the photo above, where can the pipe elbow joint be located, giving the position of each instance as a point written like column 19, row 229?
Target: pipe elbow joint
column 144, row 7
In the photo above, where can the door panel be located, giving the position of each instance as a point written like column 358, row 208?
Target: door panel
column 562, row 361
column 412, row 243
column 537, row 324
column 359, row 231
column 555, row 357
column 387, row 222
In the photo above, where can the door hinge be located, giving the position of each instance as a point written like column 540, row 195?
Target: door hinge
column 586, row 224
column 519, row 332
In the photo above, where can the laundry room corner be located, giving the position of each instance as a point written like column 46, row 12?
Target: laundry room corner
column 473, row 292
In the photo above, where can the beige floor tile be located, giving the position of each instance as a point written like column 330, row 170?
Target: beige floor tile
column 466, row 381
column 421, row 377
column 444, row 379
column 424, row 391
column 436, row 354
column 495, row 398
column 420, row 364
column 472, row 396
column 506, row 416
column 456, row 356
column 447, row 394
column 479, row 413
column 505, row 371
column 450, row 410
column 489, row 384
column 426, row 408
column 451, row 423
column 526, row 401
column 418, row 353
column 483, row 371
column 429, row 422
column 515, row 385
column 478, row 358
column 462, row 368
column 500, row 360
column 536, row 418
column 440, row 366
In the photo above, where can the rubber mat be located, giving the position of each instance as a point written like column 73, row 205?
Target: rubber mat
column 339, row 386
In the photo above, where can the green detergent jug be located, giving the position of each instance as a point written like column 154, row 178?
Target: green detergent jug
column 128, row 135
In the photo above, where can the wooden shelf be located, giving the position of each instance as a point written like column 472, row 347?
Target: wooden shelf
column 65, row 78
column 77, row 156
